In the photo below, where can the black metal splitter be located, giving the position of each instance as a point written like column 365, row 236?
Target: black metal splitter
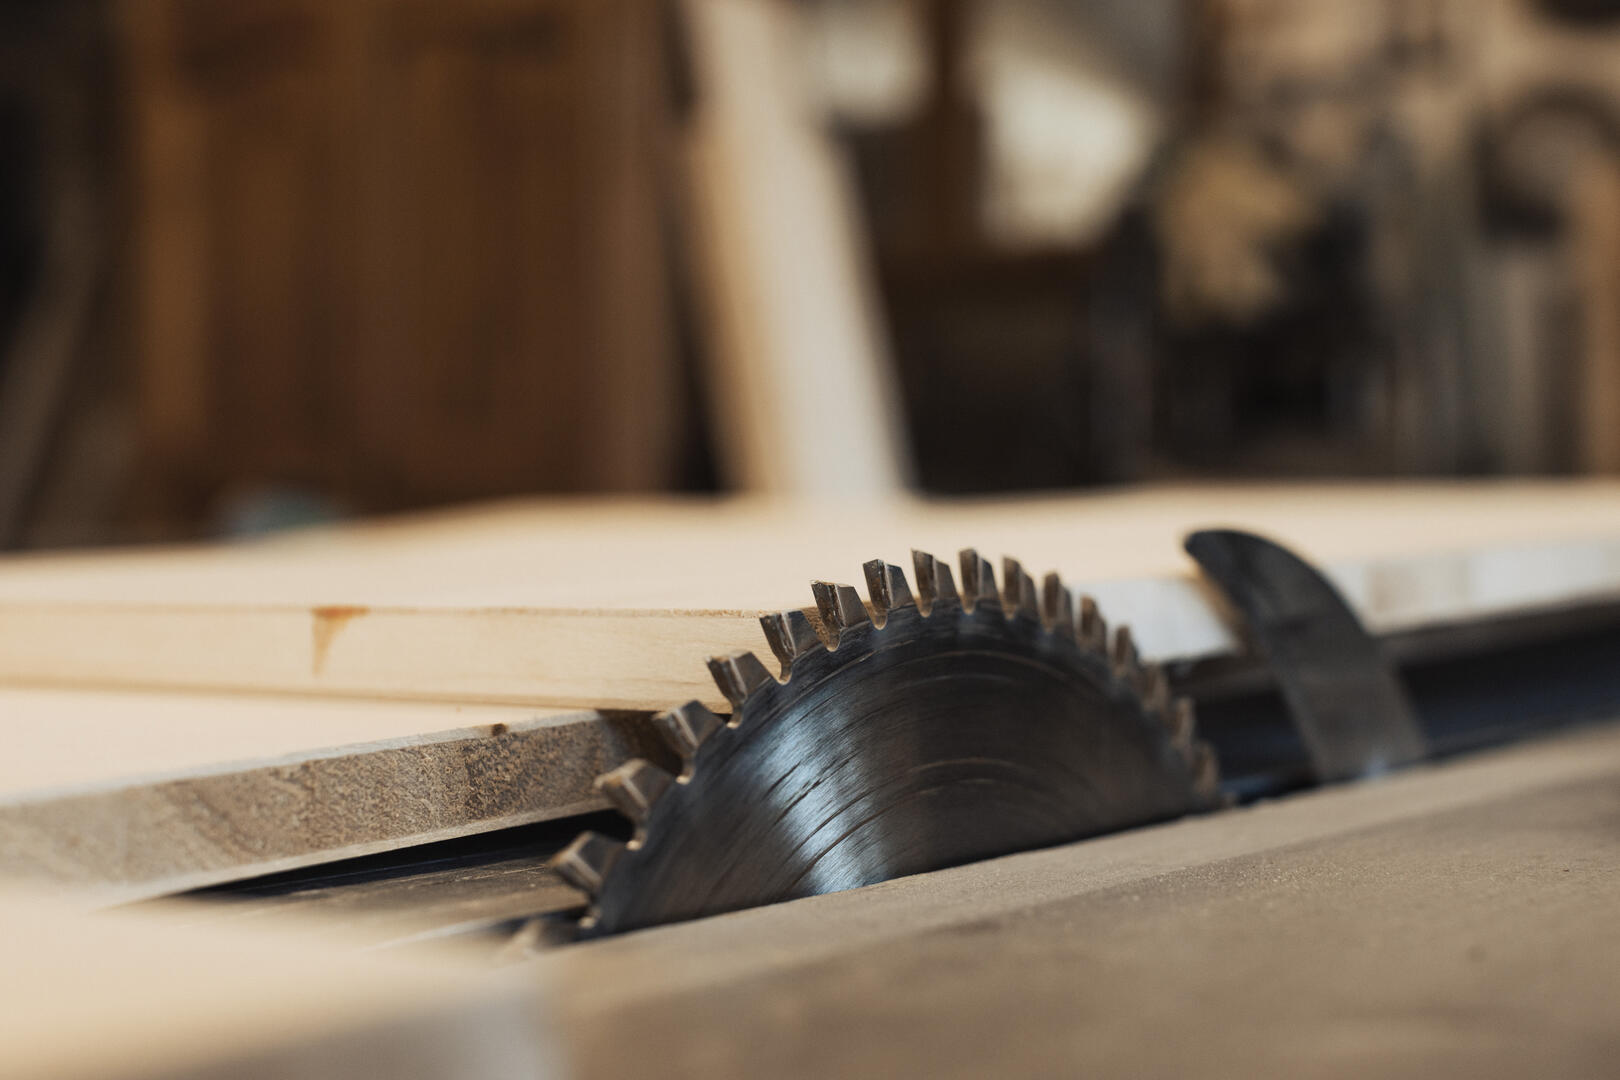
column 1343, row 696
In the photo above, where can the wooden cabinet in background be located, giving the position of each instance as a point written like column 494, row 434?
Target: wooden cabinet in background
column 400, row 251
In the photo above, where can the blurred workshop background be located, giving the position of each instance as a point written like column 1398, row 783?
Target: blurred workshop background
column 265, row 262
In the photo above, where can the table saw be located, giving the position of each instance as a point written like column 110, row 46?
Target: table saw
column 1215, row 779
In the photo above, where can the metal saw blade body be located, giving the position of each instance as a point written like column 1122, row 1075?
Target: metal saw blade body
column 925, row 742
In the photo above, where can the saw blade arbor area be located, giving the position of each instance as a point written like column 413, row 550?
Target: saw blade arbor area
column 955, row 727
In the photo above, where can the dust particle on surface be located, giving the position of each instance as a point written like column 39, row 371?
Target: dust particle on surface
column 326, row 623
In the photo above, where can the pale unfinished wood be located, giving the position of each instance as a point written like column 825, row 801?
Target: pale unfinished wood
column 136, row 795
column 157, row 993
column 798, row 372
column 617, row 604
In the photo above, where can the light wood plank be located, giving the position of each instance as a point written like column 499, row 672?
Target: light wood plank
column 797, row 362
column 616, row 604
column 135, row 795
column 158, row 993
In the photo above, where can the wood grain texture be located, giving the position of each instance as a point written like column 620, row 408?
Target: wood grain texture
column 617, row 604
column 135, row 795
column 481, row 630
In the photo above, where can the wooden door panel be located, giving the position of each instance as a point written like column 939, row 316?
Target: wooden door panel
column 401, row 251
column 476, row 312
column 239, row 301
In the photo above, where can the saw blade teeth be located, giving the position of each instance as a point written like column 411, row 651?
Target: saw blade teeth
column 790, row 635
column 935, row 583
column 978, row 581
column 841, row 609
column 1165, row 769
column 1057, row 606
column 738, row 676
column 1018, row 590
column 1093, row 627
column 586, row 862
column 634, row 787
column 887, row 585
column 1155, row 689
column 686, row 727
column 1127, row 664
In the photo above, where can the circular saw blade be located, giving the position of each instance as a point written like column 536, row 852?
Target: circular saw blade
column 940, row 735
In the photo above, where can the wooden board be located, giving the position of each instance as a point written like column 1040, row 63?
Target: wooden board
column 154, row 993
column 796, row 357
column 134, row 795
column 353, row 690
column 617, row 604
column 1450, row 920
